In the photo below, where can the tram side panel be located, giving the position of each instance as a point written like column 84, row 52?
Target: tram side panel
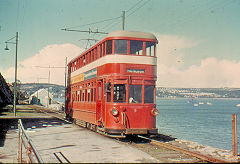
column 85, row 111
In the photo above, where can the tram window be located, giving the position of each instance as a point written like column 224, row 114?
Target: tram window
column 150, row 49
column 88, row 57
column 100, row 50
column 91, row 95
column 85, row 95
column 136, row 47
column 119, row 93
column 135, row 93
column 148, row 94
column 95, row 54
column 80, row 96
column 108, row 91
column 94, row 97
column 103, row 48
column 109, row 47
column 120, row 47
column 76, row 96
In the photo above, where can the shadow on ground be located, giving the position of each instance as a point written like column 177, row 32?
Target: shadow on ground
column 4, row 110
column 135, row 139
column 28, row 123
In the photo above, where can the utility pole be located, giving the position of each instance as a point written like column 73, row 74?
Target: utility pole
column 48, row 86
column 65, row 99
column 123, row 20
column 15, row 84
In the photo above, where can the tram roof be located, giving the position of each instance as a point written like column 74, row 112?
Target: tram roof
column 134, row 34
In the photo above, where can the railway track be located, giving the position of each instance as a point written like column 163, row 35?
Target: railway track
column 161, row 150
column 201, row 157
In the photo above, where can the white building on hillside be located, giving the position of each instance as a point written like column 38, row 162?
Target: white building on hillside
column 41, row 97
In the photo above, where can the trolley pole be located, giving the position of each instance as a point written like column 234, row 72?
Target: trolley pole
column 123, row 20
column 234, row 134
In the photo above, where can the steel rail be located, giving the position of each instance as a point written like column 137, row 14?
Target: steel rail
column 59, row 117
column 58, row 158
column 185, row 151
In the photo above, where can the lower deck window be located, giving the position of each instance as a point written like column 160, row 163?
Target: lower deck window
column 135, row 93
column 148, row 94
column 119, row 94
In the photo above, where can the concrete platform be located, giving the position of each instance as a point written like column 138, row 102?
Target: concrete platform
column 76, row 143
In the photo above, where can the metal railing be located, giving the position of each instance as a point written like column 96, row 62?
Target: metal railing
column 24, row 140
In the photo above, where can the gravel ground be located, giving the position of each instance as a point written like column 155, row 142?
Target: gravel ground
column 161, row 153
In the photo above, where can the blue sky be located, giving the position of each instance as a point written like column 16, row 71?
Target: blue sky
column 194, row 35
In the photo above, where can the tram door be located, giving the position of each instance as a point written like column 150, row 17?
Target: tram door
column 100, row 103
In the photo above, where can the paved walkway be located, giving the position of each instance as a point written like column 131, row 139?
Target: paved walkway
column 76, row 143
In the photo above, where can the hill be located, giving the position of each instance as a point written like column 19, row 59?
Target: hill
column 198, row 92
column 29, row 88
column 162, row 92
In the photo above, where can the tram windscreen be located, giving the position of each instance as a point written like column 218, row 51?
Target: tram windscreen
column 135, row 93
column 119, row 93
column 148, row 94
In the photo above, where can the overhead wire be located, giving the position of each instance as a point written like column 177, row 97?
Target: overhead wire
column 105, row 20
column 134, row 6
column 138, row 8
column 109, row 26
column 115, row 19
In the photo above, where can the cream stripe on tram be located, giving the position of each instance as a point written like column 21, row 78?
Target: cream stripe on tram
column 116, row 59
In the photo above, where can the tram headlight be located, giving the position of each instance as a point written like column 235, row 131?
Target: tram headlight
column 114, row 112
column 155, row 112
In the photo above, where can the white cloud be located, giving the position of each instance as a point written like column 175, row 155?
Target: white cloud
column 51, row 55
column 210, row 73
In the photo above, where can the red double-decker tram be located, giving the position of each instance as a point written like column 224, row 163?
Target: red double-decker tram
column 111, row 86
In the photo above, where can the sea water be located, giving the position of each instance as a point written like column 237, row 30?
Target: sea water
column 206, row 121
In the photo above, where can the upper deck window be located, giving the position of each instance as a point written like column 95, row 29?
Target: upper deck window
column 109, row 47
column 150, row 49
column 120, row 47
column 136, row 47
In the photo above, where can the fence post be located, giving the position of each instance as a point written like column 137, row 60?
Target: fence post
column 234, row 134
column 19, row 143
